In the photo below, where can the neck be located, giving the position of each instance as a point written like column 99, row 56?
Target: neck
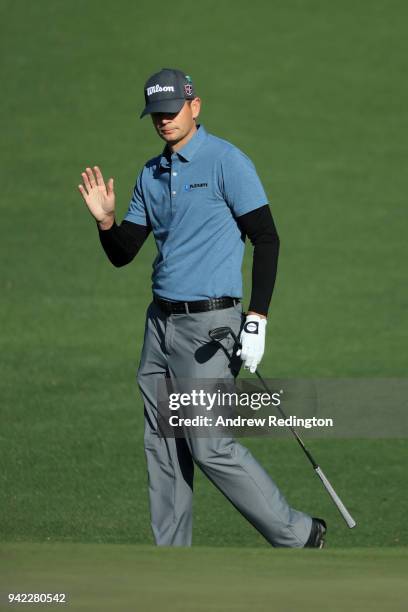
column 180, row 143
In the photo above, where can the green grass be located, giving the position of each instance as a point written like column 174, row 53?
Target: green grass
column 112, row 577
column 316, row 94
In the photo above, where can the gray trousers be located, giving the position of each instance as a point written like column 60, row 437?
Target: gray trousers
column 178, row 346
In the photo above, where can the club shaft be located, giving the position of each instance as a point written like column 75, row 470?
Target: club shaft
column 336, row 499
column 323, row 478
column 292, row 429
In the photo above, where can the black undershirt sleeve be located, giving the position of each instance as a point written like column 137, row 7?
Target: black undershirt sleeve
column 258, row 225
column 122, row 242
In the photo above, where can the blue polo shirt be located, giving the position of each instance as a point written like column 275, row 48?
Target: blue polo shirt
column 191, row 200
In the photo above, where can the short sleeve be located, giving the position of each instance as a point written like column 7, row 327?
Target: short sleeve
column 137, row 208
column 240, row 184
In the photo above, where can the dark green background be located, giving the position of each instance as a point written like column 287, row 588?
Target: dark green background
column 315, row 93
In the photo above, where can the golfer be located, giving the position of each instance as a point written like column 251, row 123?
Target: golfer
column 200, row 197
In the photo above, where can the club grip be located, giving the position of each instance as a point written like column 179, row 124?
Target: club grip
column 336, row 499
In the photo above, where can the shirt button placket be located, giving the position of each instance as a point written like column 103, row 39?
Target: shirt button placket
column 173, row 186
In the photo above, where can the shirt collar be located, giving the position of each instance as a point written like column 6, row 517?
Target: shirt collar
column 188, row 151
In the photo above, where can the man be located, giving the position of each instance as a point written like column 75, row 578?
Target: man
column 199, row 198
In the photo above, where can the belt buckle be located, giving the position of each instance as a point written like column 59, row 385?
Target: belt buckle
column 186, row 307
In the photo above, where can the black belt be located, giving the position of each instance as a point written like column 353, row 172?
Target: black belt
column 196, row 306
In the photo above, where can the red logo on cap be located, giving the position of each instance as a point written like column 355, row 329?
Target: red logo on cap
column 188, row 89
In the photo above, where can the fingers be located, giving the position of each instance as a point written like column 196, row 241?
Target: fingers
column 99, row 178
column 250, row 364
column 110, row 186
column 91, row 177
column 252, row 367
column 91, row 180
column 86, row 182
column 82, row 191
column 250, row 360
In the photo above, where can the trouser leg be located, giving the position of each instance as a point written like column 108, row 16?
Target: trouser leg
column 235, row 472
column 169, row 463
column 228, row 464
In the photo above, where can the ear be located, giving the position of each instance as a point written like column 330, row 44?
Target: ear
column 195, row 107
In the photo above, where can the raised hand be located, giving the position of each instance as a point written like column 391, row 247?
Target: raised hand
column 99, row 198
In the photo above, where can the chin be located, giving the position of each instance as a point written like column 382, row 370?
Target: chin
column 170, row 138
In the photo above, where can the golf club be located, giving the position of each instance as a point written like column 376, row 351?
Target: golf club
column 219, row 334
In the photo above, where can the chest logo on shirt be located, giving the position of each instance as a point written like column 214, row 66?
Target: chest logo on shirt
column 195, row 186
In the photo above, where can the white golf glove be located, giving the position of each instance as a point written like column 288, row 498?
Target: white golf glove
column 252, row 341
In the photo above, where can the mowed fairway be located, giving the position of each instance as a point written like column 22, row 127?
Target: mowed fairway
column 147, row 579
column 316, row 94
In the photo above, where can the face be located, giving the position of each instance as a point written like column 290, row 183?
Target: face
column 175, row 127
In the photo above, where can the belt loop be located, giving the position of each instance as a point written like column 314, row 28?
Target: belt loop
column 186, row 306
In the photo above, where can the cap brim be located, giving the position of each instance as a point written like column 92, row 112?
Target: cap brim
column 163, row 106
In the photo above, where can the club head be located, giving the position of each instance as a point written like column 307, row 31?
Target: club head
column 219, row 333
